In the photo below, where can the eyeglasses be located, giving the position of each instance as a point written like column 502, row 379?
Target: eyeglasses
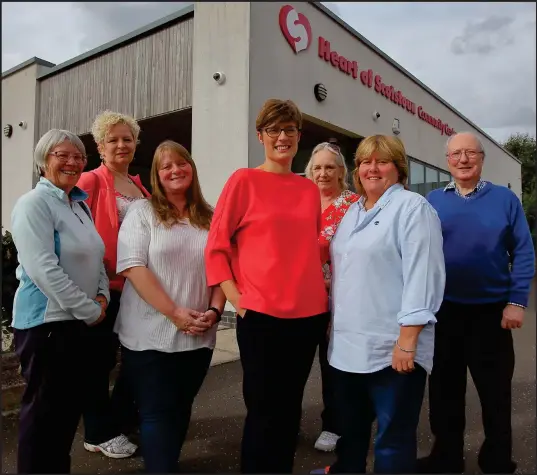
column 274, row 132
column 64, row 157
column 470, row 154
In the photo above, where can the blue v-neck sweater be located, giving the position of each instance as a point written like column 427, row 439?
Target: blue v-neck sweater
column 482, row 235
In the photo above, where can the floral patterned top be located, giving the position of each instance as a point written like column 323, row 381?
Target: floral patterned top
column 330, row 220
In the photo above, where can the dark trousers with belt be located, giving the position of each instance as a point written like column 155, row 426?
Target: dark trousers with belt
column 471, row 336
column 328, row 415
column 392, row 398
column 276, row 355
column 53, row 364
column 106, row 416
column 165, row 385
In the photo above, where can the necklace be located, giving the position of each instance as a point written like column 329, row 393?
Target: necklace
column 123, row 177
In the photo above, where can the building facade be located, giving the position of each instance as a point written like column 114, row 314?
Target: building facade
column 200, row 76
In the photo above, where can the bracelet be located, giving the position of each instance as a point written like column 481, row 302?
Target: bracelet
column 402, row 349
column 218, row 313
column 516, row 304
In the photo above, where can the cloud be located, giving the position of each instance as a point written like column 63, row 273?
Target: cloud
column 491, row 78
column 484, row 36
column 102, row 18
column 479, row 57
column 76, row 27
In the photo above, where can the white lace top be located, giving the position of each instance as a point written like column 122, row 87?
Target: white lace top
column 123, row 203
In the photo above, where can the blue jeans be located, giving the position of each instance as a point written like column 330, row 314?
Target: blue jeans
column 164, row 386
column 395, row 401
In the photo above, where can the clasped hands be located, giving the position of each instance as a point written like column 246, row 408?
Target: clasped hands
column 191, row 322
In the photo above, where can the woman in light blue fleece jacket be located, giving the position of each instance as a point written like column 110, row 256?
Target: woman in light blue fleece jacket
column 63, row 289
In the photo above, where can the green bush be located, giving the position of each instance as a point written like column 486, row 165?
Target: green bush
column 9, row 287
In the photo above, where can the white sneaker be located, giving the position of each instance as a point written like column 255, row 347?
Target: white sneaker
column 326, row 441
column 117, row 448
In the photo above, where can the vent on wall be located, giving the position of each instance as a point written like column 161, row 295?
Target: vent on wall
column 320, row 92
column 8, row 130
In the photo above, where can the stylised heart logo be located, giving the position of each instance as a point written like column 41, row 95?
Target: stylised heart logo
column 296, row 28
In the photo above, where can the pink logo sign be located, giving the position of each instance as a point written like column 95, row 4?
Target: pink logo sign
column 296, row 28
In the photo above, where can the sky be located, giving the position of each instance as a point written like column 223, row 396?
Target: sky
column 479, row 57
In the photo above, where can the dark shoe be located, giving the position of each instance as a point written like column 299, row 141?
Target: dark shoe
column 509, row 467
column 436, row 465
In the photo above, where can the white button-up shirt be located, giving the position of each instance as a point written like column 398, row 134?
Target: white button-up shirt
column 388, row 271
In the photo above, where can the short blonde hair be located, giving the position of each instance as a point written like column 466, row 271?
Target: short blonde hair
column 339, row 158
column 384, row 146
column 108, row 119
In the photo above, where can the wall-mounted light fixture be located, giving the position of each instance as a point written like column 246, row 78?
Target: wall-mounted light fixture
column 8, row 130
column 395, row 127
column 320, row 92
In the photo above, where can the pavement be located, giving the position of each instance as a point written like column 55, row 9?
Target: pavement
column 213, row 441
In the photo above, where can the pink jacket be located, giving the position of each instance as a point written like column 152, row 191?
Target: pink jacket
column 99, row 185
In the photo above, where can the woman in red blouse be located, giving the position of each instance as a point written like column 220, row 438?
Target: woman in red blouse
column 328, row 171
column 263, row 252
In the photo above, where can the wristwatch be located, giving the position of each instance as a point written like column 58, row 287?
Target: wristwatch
column 218, row 313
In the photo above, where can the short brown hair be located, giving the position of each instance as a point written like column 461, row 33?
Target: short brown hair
column 385, row 146
column 200, row 212
column 276, row 111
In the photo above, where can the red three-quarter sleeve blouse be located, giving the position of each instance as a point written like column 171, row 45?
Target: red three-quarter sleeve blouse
column 264, row 236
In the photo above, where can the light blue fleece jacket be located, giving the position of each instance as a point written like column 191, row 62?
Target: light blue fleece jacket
column 60, row 254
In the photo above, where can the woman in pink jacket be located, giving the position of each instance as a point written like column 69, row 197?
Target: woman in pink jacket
column 111, row 191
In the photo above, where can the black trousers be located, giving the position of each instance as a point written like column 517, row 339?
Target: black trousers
column 328, row 415
column 53, row 364
column 276, row 355
column 106, row 416
column 471, row 336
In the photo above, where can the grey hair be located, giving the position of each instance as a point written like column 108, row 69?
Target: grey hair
column 473, row 134
column 340, row 161
column 48, row 142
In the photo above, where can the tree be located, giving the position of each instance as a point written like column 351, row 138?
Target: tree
column 523, row 146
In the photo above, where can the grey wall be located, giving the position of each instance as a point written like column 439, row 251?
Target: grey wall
column 220, row 121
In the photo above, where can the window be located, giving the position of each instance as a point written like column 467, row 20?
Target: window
column 424, row 178
column 417, row 177
column 431, row 179
column 445, row 178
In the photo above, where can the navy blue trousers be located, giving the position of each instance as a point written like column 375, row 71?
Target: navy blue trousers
column 53, row 358
column 393, row 399
column 164, row 386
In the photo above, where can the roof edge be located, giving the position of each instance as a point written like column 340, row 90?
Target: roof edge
column 118, row 42
column 395, row 64
column 25, row 64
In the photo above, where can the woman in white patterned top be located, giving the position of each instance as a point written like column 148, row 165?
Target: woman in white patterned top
column 168, row 315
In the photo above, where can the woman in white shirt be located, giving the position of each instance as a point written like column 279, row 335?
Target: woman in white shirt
column 168, row 316
column 387, row 284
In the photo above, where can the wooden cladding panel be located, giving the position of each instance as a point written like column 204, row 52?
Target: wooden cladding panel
column 148, row 77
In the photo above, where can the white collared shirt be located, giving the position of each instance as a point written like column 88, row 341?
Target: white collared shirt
column 388, row 271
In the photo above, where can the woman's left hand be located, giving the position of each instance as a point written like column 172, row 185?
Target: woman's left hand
column 402, row 361
column 210, row 317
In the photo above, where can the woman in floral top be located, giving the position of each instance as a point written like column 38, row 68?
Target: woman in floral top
column 328, row 171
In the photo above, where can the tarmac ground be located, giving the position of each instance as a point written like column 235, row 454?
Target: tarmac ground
column 213, row 441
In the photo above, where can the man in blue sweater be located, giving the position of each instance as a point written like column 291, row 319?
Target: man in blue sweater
column 490, row 263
